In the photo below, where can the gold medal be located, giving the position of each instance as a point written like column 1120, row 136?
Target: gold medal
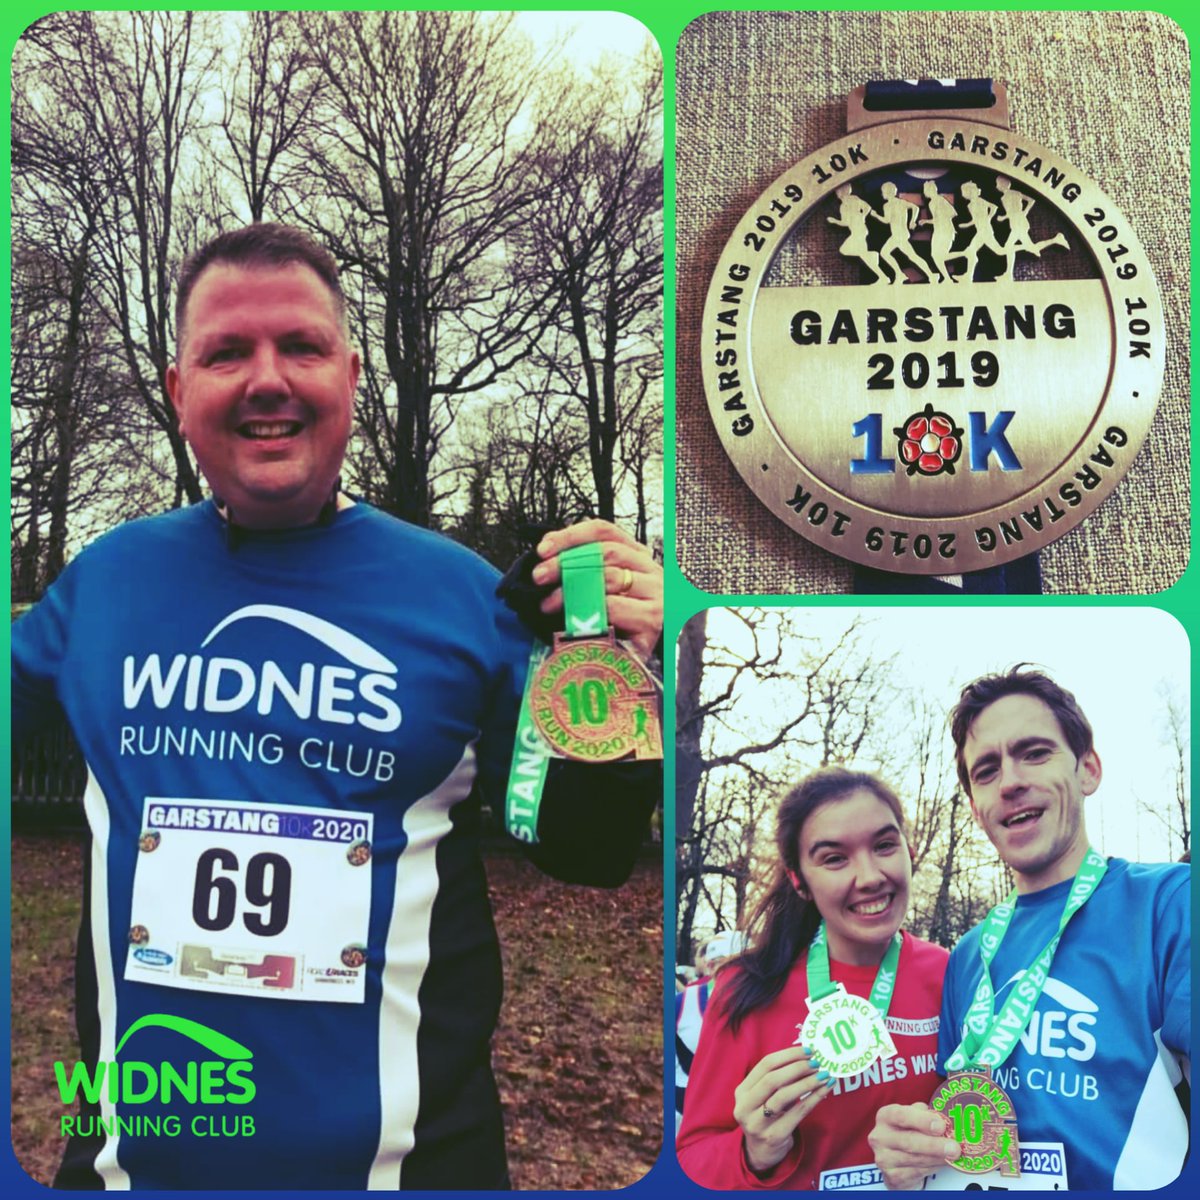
column 978, row 363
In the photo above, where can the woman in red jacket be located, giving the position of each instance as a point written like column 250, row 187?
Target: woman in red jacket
column 783, row 1092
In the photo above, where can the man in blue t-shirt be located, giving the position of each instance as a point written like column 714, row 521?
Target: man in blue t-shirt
column 290, row 706
column 1089, row 1038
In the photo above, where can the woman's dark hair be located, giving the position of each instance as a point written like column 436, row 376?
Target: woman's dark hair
column 784, row 924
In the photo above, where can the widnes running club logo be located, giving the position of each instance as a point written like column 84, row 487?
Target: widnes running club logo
column 1059, row 1041
column 223, row 1078
column 1065, row 1032
column 342, row 695
column 353, row 693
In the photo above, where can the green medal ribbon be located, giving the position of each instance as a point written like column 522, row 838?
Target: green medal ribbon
column 820, row 984
column 585, row 598
column 991, row 1037
column 585, row 613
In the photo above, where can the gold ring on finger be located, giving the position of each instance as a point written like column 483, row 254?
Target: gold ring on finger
column 626, row 581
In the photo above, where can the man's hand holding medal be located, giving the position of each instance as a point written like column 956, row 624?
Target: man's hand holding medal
column 910, row 1142
column 633, row 581
column 588, row 698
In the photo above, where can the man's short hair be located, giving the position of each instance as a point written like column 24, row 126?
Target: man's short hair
column 1017, row 681
column 261, row 245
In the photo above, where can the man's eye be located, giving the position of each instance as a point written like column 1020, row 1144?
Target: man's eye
column 225, row 354
column 1039, row 754
column 302, row 348
column 984, row 774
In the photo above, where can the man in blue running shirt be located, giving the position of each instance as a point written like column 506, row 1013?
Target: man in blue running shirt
column 290, row 705
column 1091, row 1061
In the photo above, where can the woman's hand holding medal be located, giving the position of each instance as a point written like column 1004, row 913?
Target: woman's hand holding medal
column 771, row 1102
column 910, row 1142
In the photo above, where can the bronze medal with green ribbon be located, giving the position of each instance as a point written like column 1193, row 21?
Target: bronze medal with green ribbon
column 978, row 1112
column 587, row 699
column 590, row 698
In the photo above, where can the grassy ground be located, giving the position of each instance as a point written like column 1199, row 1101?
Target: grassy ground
column 578, row 1053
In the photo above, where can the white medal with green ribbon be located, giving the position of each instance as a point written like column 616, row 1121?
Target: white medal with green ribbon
column 586, row 699
column 847, row 1031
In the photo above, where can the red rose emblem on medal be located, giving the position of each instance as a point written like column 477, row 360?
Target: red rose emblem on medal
column 930, row 442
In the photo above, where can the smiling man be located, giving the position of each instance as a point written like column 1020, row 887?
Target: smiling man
column 1075, row 993
column 290, row 705
column 264, row 385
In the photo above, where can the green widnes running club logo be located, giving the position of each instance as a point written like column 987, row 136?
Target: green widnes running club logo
column 212, row 1083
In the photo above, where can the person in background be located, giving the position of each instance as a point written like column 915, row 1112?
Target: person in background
column 690, row 1004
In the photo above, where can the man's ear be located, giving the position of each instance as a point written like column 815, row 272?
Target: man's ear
column 1090, row 772
column 175, row 394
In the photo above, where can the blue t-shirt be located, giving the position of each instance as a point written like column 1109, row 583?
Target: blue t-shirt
column 1096, row 1066
column 360, row 668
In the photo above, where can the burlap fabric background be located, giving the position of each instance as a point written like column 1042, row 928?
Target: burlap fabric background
column 758, row 91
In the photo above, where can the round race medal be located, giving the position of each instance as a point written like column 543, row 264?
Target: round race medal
column 980, row 1116
column 847, row 1032
column 932, row 346
column 592, row 700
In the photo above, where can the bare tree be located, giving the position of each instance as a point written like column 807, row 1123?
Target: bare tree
column 772, row 703
column 420, row 176
column 75, row 440
column 267, row 109
column 130, row 83
column 1175, row 815
column 1178, row 737
column 596, row 227
column 516, row 468
column 640, row 452
column 689, row 720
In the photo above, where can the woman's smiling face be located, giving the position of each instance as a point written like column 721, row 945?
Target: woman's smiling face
column 856, row 869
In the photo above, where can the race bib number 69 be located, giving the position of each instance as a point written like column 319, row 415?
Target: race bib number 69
column 261, row 899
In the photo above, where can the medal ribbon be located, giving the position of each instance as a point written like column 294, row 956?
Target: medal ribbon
column 820, row 984
column 585, row 614
column 990, row 1038
column 585, row 600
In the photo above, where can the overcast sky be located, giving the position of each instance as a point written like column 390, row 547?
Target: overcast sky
column 589, row 34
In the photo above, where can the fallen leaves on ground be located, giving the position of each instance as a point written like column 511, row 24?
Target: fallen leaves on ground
column 578, row 1054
